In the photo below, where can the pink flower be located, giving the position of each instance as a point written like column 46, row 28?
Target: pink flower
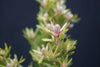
column 57, row 29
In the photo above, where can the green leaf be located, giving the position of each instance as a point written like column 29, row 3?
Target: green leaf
column 21, row 60
column 57, row 54
column 61, row 36
column 6, row 47
column 65, row 30
column 46, row 39
column 69, row 63
column 76, row 20
column 45, row 52
column 72, row 48
column 41, row 59
column 48, row 65
column 71, row 53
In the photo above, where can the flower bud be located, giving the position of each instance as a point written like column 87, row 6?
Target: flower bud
column 57, row 28
column 46, row 48
column 48, row 25
column 60, row 9
column 29, row 33
column 44, row 2
column 8, row 65
column 69, row 15
column 71, row 26
column 45, row 17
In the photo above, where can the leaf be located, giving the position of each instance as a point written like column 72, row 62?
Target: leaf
column 57, row 54
column 76, row 20
column 21, row 60
column 56, row 50
column 45, row 52
column 40, row 27
column 6, row 47
column 71, row 53
column 74, row 42
column 36, row 51
column 61, row 36
column 9, row 49
column 38, row 0
column 69, row 63
column 65, row 30
column 48, row 65
column 46, row 39
column 72, row 48
column 41, row 59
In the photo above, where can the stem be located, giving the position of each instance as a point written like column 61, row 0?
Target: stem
column 57, row 41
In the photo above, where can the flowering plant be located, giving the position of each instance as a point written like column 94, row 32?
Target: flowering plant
column 51, row 47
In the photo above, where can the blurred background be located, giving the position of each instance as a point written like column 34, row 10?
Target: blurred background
column 15, row 15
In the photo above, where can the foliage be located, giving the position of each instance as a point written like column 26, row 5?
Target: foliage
column 51, row 47
column 5, row 58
